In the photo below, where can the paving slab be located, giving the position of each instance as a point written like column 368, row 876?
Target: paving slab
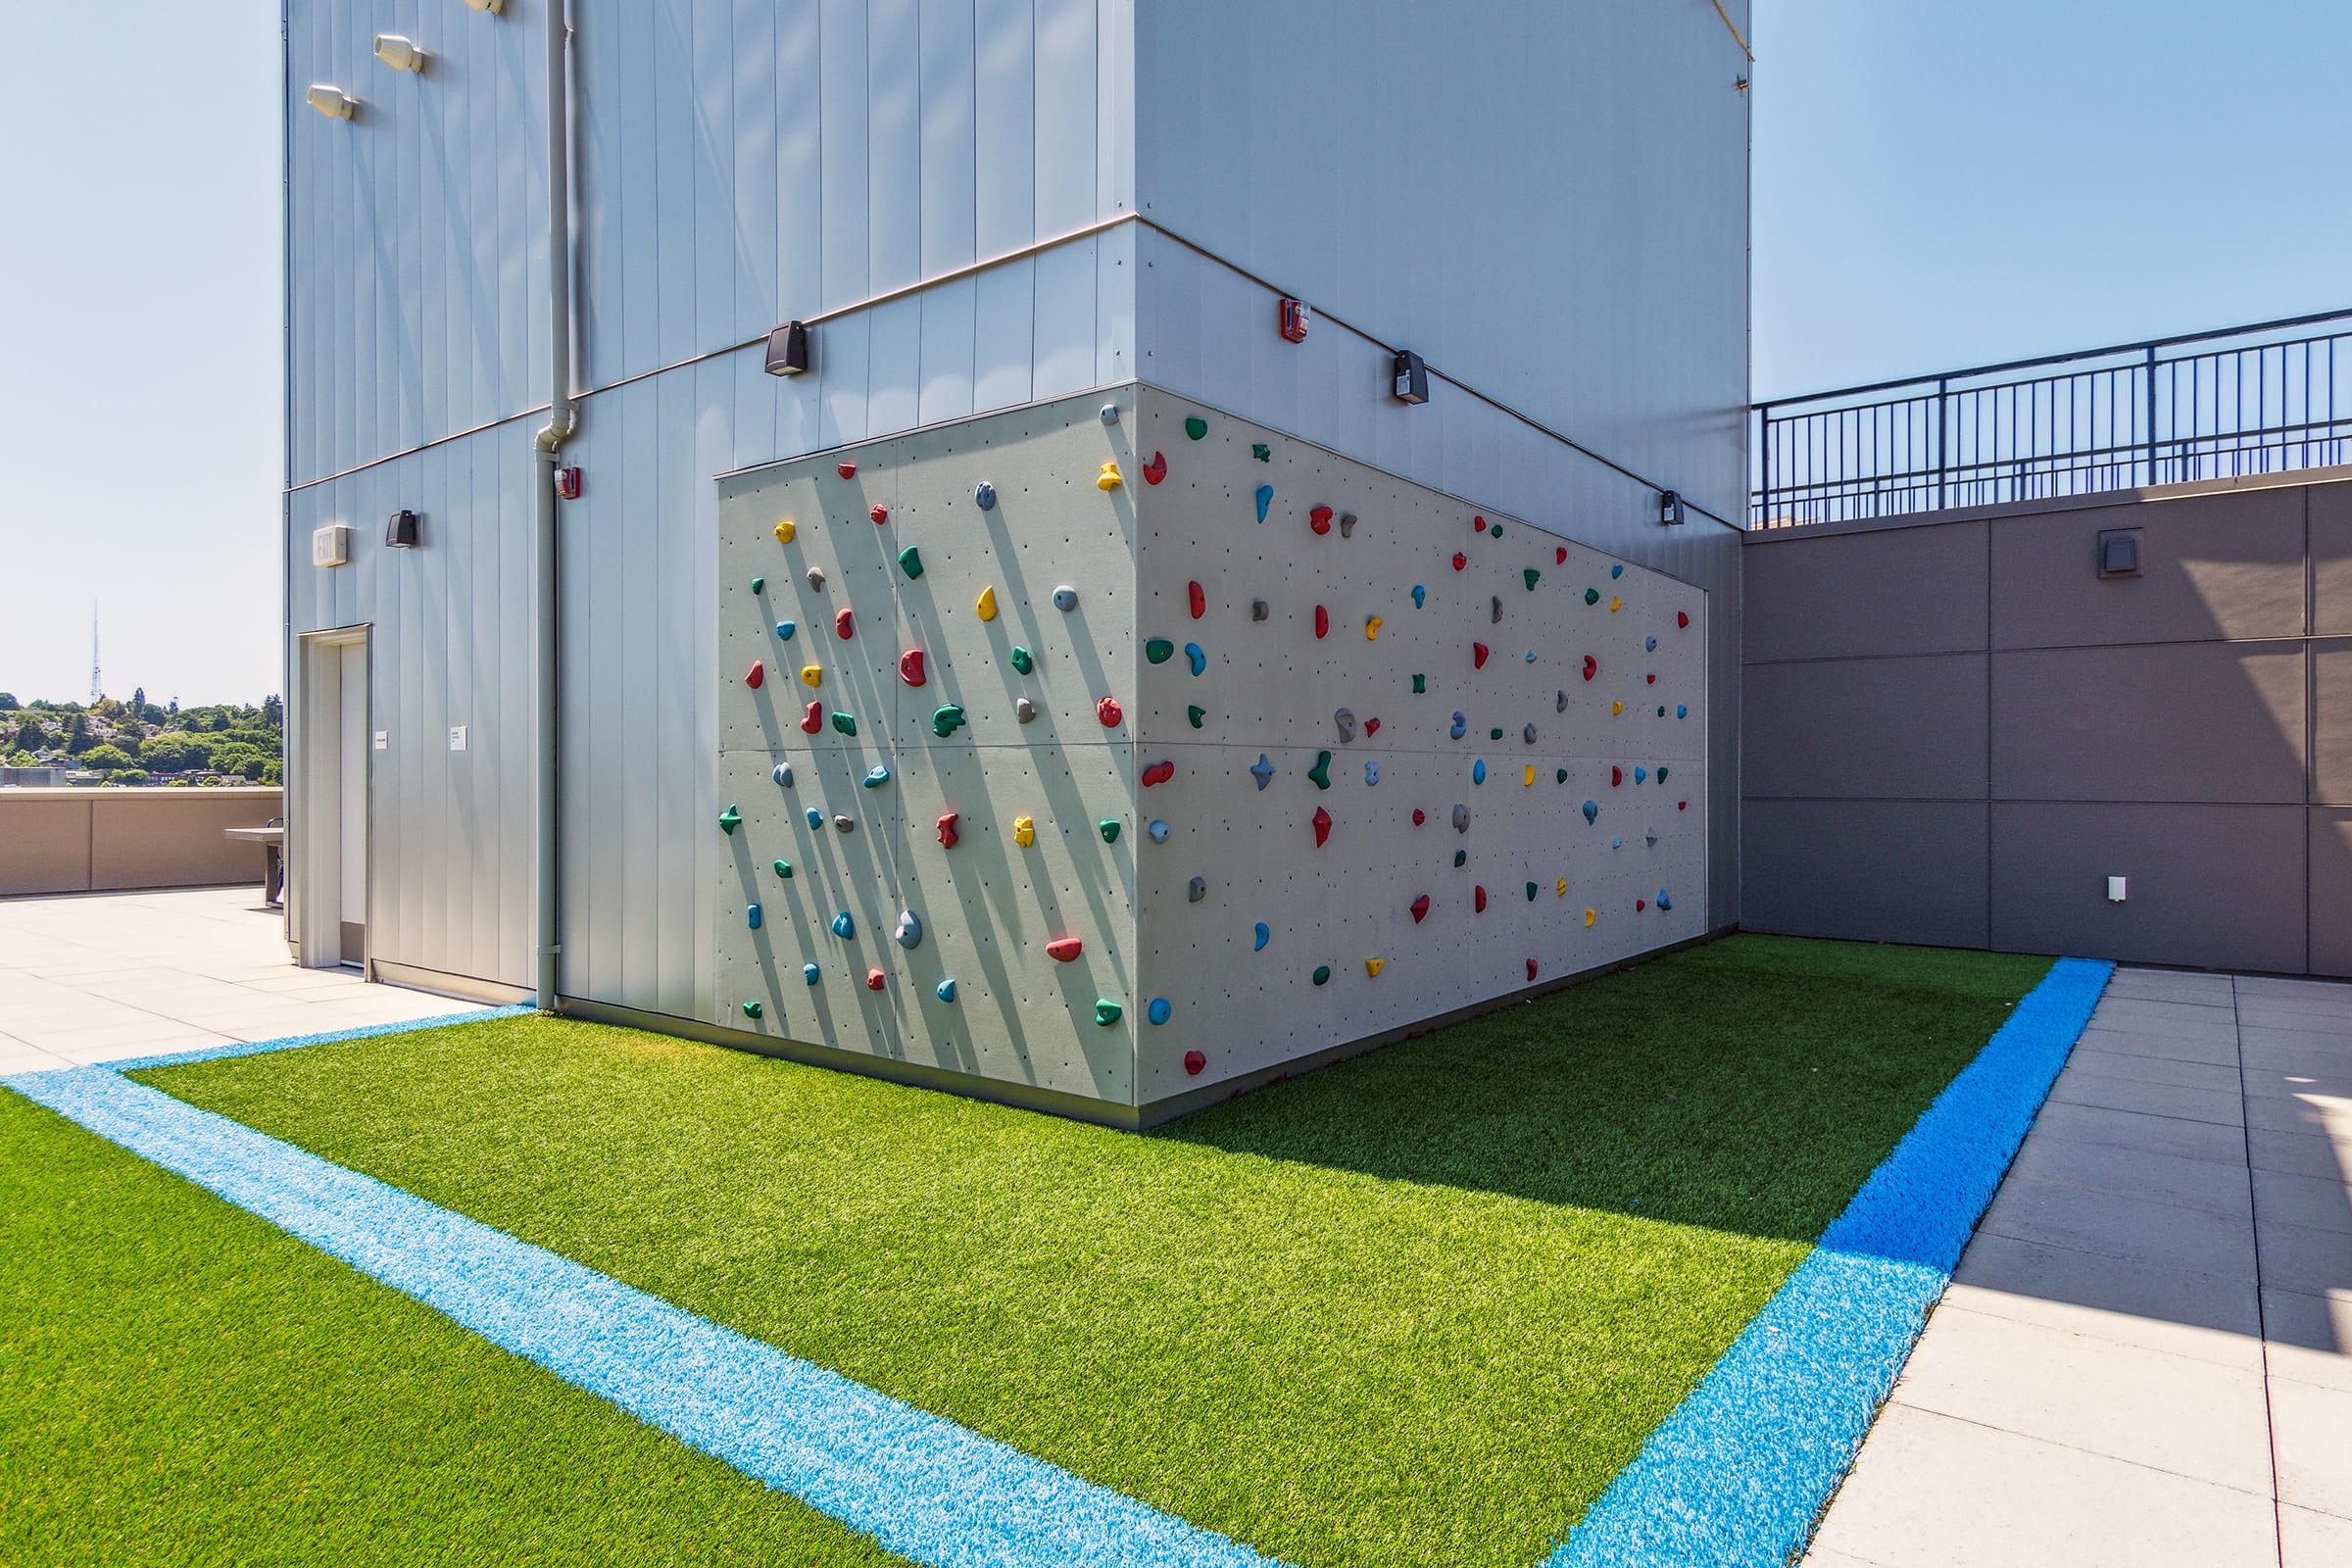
column 2310, row 1429
column 2133, row 1129
column 2216, row 1186
column 2078, row 1087
column 2119, row 1225
column 2308, row 1539
column 2303, row 1257
column 2281, row 1198
column 2309, row 1337
column 2298, row 1154
column 2147, row 1304
column 2316, row 1115
column 2139, row 1040
column 2089, row 1059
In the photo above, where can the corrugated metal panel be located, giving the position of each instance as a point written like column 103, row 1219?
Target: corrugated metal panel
column 1547, row 201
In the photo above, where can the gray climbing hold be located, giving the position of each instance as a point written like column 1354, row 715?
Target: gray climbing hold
column 1560, row 704
column 1345, row 722
column 1065, row 597
column 1024, row 710
column 841, row 824
column 1495, row 614
column 984, row 496
column 816, row 579
column 1262, row 771
column 1461, row 818
column 1461, row 725
column 1347, row 524
column 783, row 774
column 1157, row 829
column 1528, row 734
column 843, row 925
column 1195, row 890
column 910, row 933
column 1257, row 610
column 1111, row 413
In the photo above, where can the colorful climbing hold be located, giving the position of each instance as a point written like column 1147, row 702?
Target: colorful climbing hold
column 753, row 1009
column 1420, row 596
column 848, row 471
column 1640, row 775
column 1681, row 711
column 1460, row 858
column 1530, row 969
column 1263, row 770
column 1261, row 452
column 1322, row 825
column 910, row 932
column 1591, row 595
column 845, row 723
column 1420, row 909
column 1156, row 830
column 1529, row 782
column 812, row 675
column 1108, row 712
column 1159, row 649
column 876, row 776
column 1108, row 827
column 1592, row 809
column 1559, row 776
column 758, row 586
column 1616, row 707
column 1064, row 950
column 1318, row 518
column 1531, row 574
column 843, row 925
column 945, row 991
column 1478, row 655
column 1158, row 1011
column 751, row 915
column 1196, row 599
column 1322, row 974
column 1020, row 661
column 948, row 836
column 816, row 818
column 986, row 604
column 783, row 774
column 1194, row 1062
column 1195, row 890
column 946, row 720
column 1592, row 666
column 875, row 979
column 984, row 496
column 1262, row 935
column 1371, row 727
column 757, row 674
column 1371, row 772
column 1195, row 426
column 1649, row 644
column 1372, row 627
column 1478, row 900
column 1460, row 561
column 1460, row 726
column 1664, row 902
column 1158, row 772
column 1615, row 604
column 1478, row 771
column 1559, row 556
column 1616, row 569
column 910, row 561
column 1373, row 966
column 1420, row 685
column 729, row 820
column 1194, row 657
column 879, row 513
column 911, row 667
column 784, row 531
column 1195, row 714
column 1590, row 916
column 1322, row 620
column 1616, row 776
column 1682, row 618
column 785, row 630
column 808, row 972
column 1559, row 888
column 1065, row 598
column 1024, row 831
column 1419, row 817
column 1108, row 478
column 1156, row 469
column 1320, row 774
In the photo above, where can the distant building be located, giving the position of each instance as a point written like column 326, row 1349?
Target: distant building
column 32, row 778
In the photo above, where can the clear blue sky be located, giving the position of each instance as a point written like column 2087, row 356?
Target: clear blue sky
column 1935, row 184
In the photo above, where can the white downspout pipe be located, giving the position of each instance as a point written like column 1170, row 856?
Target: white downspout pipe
column 563, row 419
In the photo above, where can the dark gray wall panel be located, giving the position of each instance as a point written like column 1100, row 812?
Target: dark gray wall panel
column 1879, row 728
column 2217, row 886
column 2331, row 892
column 1903, row 591
column 1872, row 870
column 2183, row 722
column 2211, row 566
column 2332, row 728
column 2330, row 515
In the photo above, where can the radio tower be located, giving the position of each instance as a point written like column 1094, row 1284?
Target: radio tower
column 97, row 689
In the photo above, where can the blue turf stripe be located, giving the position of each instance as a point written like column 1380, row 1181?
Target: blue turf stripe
column 256, row 1048
column 921, row 1486
column 1738, row 1473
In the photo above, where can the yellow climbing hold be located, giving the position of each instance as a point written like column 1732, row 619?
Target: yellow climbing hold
column 1615, row 604
column 811, row 675
column 785, row 532
column 1559, row 888
column 1615, row 709
column 1373, row 966
column 1372, row 629
column 988, row 604
column 1530, row 781
column 1024, row 831
column 1108, row 478
column 1590, row 916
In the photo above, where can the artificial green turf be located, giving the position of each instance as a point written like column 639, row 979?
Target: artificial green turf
column 183, row 1384
column 1414, row 1309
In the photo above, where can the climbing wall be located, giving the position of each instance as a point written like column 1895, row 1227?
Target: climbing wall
column 1423, row 757
column 930, row 804
column 1118, row 748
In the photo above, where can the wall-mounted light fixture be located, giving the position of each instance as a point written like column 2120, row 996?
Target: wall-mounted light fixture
column 1413, row 377
column 788, row 349
column 397, row 53
column 401, row 532
column 1670, row 508
column 332, row 102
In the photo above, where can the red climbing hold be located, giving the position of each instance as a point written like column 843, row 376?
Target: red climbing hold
column 1420, row 909
column 1156, row 469
column 1651, row 678
column 1460, row 561
column 1064, row 950
column 1640, row 905
column 1592, row 666
column 910, row 666
column 1322, row 620
column 946, row 831
column 1371, row 727
column 815, row 718
column 1682, row 806
column 1478, row 900
column 1559, row 557
column 1109, row 712
column 1319, row 520
column 844, row 622
column 1531, row 969
column 1682, row 618
column 1198, row 600
column 1616, row 777
column 1193, row 1061
column 1158, row 773
column 1419, row 817
column 874, row 979
column 879, row 513
column 848, row 471
column 1478, row 655
column 1478, row 526
column 1322, row 822
column 758, row 673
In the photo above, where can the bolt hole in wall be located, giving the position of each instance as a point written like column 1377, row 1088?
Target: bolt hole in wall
column 1202, row 758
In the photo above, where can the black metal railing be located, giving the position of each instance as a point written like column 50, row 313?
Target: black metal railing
column 2259, row 399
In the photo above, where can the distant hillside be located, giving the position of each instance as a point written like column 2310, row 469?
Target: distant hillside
column 139, row 742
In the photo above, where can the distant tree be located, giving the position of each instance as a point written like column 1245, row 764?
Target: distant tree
column 32, row 734
column 107, row 759
column 173, row 708
column 272, row 772
column 274, row 711
column 138, row 700
column 21, row 758
column 8, row 701
column 172, row 751
column 128, row 775
column 78, row 734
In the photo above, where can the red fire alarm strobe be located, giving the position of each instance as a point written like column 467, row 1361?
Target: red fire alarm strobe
column 1295, row 321
column 567, row 483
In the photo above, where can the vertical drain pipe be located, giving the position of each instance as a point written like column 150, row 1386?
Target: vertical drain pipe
column 562, row 420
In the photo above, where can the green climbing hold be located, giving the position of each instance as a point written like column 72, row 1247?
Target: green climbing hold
column 1420, row 685
column 1661, row 766
column 1195, row 716
column 1531, row 574
column 1261, row 452
column 1107, row 1012
column 1159, row 649
column 1559, row 776
column 784, row 870
column 1496, row 530
column 1661, row 710
column 1321, row 771
column 1109, row 829
column 1494, row 734
column 946, row 721
column 1461, row 857
column 1322, row 974
column 1591, row 595
column 910, row 561
column 758, row 585
column 1195, row 427
column 753, row 1009
column 729, row 820
column 1021, row 659
column 1531, row 892
column 846, row 723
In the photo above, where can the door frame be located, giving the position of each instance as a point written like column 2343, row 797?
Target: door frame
column 314, row 815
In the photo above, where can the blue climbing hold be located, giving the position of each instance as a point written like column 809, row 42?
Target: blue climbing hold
column 783, row 774
column 1616, row 844
column 1478, row 771
column 1265, row 936
column 1641, row 774
column 1158, row 1009
column 1265, row 500
column 1065, row 598
column 1681, row 711
column 816, row 818
column 876, row 776
column 1420, row 596
column 843, row 925
column 1591, row 811
column 1664, row 902
column 808, row 972
column 910, row 933
column 1649, row 644
column 1371, row 772
column 751, row 915
column 1198, row 659
column 984, row 496
column 1461, row 725
column 1157, row 829
column 945, row 991
column 785, row 630
column 1262, row 771
column 1617, row 570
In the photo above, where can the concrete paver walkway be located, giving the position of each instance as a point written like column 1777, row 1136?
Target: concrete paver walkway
column 101, row 977
column 2145, row 1356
